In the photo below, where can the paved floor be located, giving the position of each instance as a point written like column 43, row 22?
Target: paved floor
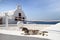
column 12, row 37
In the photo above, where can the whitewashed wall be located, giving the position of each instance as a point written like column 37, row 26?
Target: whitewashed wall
column 16, row 13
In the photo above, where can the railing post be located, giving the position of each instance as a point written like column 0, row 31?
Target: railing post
column 6, row 20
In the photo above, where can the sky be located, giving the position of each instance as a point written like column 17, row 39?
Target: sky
column 34, row 9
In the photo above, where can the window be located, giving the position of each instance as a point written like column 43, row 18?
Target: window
column 23, row 17
column 19, row 14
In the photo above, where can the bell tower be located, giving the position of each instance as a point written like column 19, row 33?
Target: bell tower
column 19, row 14
column 19, row 7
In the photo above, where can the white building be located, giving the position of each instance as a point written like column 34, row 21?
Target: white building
column 13, row 15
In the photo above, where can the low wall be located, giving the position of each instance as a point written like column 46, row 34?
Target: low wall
column 35, row 26
column 29, row 26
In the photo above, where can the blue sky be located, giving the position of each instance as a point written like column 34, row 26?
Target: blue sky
column 35, row 9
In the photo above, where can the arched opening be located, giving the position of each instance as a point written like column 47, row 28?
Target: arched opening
column 1, row 20
column 19, row 18
column 20, row 15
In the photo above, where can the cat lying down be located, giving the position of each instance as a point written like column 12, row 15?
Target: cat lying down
column 33, row 32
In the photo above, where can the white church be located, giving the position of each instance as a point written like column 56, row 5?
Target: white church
column 13, row 16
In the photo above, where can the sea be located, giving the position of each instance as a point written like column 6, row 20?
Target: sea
column 42, row 22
